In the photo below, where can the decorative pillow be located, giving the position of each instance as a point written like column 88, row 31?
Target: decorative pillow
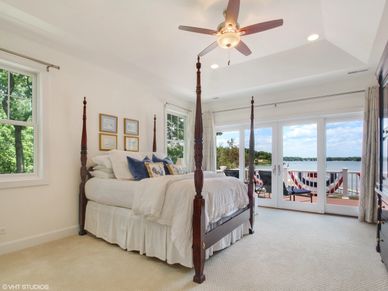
column 120, row 163
column 102, row 174
column 155, row 169
column 166, row 161
column 137, row 168
column 176, row 169
column 103, row 169
column 102, row 160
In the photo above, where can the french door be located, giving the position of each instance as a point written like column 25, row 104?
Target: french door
column 300, row 166
column 293, row 160
column 310, row 165
column 307, row 165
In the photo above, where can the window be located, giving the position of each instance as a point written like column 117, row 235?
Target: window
column 18, row 128
column 176, row 132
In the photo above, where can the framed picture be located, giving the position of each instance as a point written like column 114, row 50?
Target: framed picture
column 108, row 123
column 131, row 126
column 131, row 143
column 108, row 142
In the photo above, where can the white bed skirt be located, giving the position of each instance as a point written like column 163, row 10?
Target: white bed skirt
column 134, row 233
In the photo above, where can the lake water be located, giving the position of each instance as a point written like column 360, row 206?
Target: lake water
column 312, row 166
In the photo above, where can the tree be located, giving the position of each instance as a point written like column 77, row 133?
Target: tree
column 16, row 105
column 228, row 156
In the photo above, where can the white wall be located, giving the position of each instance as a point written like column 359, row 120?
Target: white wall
column 36, row 214
column 343, row 104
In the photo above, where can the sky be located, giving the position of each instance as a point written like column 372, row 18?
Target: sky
column 343, row 139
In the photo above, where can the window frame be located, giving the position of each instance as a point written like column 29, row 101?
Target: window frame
column 37, row 177
column 179, row 114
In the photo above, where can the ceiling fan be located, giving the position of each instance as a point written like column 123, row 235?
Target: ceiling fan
column 229, row 32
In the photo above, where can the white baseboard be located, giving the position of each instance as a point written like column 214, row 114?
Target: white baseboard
column 16, row 245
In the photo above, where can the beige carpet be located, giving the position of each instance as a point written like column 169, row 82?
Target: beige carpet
column 289, row 251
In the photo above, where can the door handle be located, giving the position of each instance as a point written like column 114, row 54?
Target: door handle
column 279, row 170
column 274, row 170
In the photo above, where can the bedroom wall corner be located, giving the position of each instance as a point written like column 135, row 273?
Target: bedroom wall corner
column 32, row 215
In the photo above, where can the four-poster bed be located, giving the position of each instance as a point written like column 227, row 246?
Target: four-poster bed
column 203, row 236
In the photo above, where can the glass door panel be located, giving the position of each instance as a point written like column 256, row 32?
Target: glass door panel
column 298, row 174
column 228, row 143
column 263, row 163
column 343, row 165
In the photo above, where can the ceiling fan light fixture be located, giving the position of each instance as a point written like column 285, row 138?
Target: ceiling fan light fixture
column 228, row 39
column 313, row 37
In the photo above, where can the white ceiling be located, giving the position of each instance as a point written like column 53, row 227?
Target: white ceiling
column 141, row 39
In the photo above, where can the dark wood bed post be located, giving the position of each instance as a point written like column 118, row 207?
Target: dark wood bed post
column 199, row 202
column 83, row 173
column 154, row 141
column 251, row 168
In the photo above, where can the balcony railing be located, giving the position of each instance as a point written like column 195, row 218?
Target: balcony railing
column 342, row 184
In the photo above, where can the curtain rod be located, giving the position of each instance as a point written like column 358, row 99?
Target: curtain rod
column 292, row 101
column 167, row 103
column 48, row 65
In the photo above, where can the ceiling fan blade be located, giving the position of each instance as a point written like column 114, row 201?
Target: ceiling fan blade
column 258, row 27
column 243, row 48
column 197, row 29
column 232, row 10
column 208, row 49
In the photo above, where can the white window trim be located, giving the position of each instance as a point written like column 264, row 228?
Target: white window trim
column 39, row 177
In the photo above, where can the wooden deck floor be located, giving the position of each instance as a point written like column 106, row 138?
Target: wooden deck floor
column 332, row 201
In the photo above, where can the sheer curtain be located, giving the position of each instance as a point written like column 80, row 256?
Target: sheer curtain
column 209, row 142
column 368, row 200
column 189, row 155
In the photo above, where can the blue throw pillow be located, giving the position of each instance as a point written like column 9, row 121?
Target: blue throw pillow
column 137, row 168
column 165, row 161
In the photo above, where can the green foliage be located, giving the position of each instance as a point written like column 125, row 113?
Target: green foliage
column 228, row 156
column 16, row 141
column 175, row 136
column 175, row 151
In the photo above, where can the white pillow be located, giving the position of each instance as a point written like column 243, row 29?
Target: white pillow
column 102, row 174
column 103, row 169
column 102, row 160
column 120, row 163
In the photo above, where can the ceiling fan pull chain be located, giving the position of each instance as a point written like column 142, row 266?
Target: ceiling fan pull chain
column 228, row 57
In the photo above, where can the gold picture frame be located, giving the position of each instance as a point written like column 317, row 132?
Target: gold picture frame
column 107, row 142
column 131, row 143
column 107, row 123
column 131, row 127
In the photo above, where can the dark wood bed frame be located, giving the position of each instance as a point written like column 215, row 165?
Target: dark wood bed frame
column 202, row 239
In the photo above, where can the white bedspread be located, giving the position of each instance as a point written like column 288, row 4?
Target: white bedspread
column 112, row 192
column 168, row 200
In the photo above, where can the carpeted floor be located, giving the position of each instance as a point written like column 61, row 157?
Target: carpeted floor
column 289, row 251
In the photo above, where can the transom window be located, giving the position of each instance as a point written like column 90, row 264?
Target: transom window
column 176, row 131
column 17, row 121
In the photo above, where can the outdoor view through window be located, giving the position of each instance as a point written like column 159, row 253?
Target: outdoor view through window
column 175, row 136
column 299, row 158
column 16, row 123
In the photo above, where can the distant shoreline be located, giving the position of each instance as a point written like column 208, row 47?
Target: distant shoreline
column 329, row 159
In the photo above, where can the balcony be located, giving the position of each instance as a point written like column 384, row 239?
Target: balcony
column 342, row 187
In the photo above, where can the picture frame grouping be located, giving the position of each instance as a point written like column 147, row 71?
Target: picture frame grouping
column 108, row 130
